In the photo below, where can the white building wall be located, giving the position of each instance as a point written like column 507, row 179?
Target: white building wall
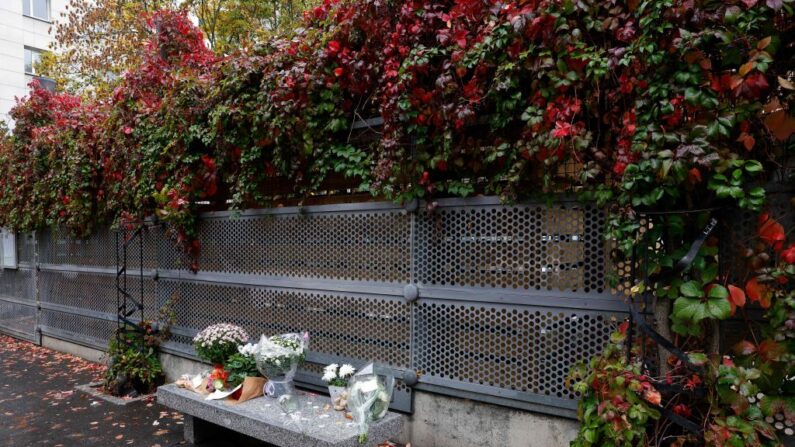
column 16, row 32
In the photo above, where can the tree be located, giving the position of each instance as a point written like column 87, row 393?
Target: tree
column 230, row 24
column 98, row 40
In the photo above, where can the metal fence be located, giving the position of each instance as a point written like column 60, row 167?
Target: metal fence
column 484, row 301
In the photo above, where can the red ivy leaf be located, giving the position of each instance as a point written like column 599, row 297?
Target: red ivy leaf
column 772, row 232
column 682, row 410
column 461, row 38
column 780, row 124
column 758, row 292
column 752, row 288
column 652, row 396
column 747, row 140
column 736, row 296
column 788, row 254
column 770, row 350
column 739, row 403
column 744, row 347
column 694, row 176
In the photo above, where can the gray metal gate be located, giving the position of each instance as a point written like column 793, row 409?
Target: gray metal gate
column 18, row 308
column 484, row 301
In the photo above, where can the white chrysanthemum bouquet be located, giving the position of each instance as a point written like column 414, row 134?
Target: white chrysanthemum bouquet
column 336, row 375
column 280, row 355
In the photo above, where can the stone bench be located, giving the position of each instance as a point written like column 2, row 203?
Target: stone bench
column 262, row 418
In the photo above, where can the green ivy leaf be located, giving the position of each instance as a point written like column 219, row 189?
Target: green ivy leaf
column 697, row 358
column 709, row 273
column 691, row 289
column 718, row 308
column 753, row 166
column 690, row 309
column 718, row 291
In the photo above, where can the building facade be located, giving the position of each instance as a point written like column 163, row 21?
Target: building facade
column 24, row 36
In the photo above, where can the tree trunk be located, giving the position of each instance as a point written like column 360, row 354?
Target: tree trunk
column 662, row 309
column 712, row 343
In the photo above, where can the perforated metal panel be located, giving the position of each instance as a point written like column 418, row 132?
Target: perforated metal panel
column 18, row 318
column 99, row 250
column 521, row 348
column 91, row 291
column 354, row 327
column 530, row 247
column 369, row 245
column 741, row 227
column 349, row 325
column 95, row 332
column 26, row 248
column 18, row 295
column 18, row 284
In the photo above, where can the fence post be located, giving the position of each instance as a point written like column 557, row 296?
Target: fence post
column 36, row 294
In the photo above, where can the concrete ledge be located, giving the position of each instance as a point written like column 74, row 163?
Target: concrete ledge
column 443, row 421
column 263, row 419
column 175, row 366
column 90, row 354
column 93, row 390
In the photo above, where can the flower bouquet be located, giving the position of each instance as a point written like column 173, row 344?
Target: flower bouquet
column 337, row 379
column 218, row 342
column 370, row 392
column 242, row 364
column 217, row 381
column 278, row 358
column 242, row 369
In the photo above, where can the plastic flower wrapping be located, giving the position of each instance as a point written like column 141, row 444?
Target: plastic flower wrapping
column 369, row 395
column 280, row 355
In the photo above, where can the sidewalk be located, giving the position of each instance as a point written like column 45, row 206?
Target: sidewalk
column 39, row 406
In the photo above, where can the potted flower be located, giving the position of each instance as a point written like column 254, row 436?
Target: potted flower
column 242, row 369
column 278, row 358
column 216, row 343
column 337, row 379
column 242, row 364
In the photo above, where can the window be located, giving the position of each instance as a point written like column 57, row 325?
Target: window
column 32, row 57
column 8, row 253
column 39, row 9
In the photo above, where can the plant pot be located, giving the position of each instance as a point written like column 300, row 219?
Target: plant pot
column 335, row 392
column 278, row 386
column 139, row 386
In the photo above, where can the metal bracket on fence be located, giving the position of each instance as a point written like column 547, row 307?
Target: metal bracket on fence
column 411, row 293
column 411, row 206
column 410, row 378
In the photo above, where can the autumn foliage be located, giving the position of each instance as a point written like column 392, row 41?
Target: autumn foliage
column 509, row 98
column 637, row 105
